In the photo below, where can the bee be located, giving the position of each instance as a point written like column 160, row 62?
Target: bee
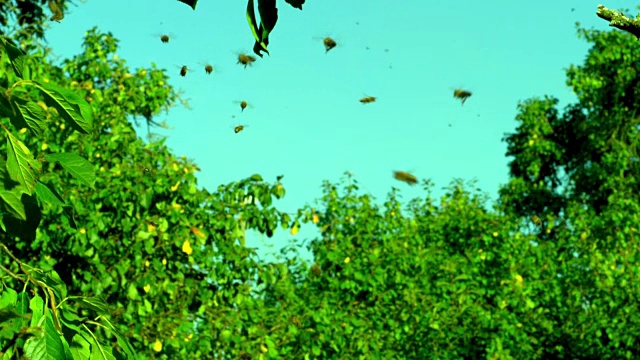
column 463, row 95
column 57, row 12
column 145, row 169
column 164, row 37
column 184, row 69
column 243, row 104
column 405, row 177
column 239, row 128
column 245, row 59
column 368, row 99
column 328, row 42
column 208, row 68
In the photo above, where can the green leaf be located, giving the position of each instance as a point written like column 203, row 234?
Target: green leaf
column 191, row 3
column 48, row 194
column 25, row 229
column 8, row 298
column 16, row 57
column 52, row 279
column 123, row 342
column 21, row 165
column 37, row 307
column 72, row 108
column 76, row 165
column 45, row 345
column 11, row 322
column 253, row 24
column 295, row 3
column 100, row 351
column 14, row 204
column 30, row 115
column 94, row 303
column 268, row 18
column 80, row 346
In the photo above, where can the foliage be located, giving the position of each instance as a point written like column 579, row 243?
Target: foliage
column 30, row 17
column 549, row 272
column 57, row 326
column 164, row 251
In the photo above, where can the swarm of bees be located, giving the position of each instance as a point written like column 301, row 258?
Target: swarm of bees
column 463, row 95
column 329, row 44
column 405, row 177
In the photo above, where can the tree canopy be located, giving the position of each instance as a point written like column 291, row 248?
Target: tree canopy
column 111, row 249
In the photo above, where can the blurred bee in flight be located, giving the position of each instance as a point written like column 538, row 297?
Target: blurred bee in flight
column 463, row 95
column 184, row 69
column 243, row 104
column 56, row 10
column 208, row 68
column 368, row 99
column 239, row 128
column 245, row 59
column 328, row 42
column 405, row 177
column 164, row 37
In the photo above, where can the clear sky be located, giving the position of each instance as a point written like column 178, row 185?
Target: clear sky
column 306, row 122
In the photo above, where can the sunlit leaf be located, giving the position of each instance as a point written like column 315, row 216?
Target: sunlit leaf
column 21, row 165
column 76, row 165
column 71, row 107
column 16, row 56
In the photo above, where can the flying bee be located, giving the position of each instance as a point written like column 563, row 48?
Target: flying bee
column 405, row 177
column 245, row 59
column 243, row 104
column 56, row 10
column 208, row 68
column 184, row 69
column 164, row 37
column 239, row 128
column 463, row 95
column 368, row 99
column 328, row 42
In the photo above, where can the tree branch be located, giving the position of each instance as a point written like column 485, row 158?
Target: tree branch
column 619, row 20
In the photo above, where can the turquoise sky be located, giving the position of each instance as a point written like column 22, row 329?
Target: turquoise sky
column 306, row 122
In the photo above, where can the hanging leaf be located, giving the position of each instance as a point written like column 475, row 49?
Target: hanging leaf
column 191, row 3
column 295, row 3
column 253, row 24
